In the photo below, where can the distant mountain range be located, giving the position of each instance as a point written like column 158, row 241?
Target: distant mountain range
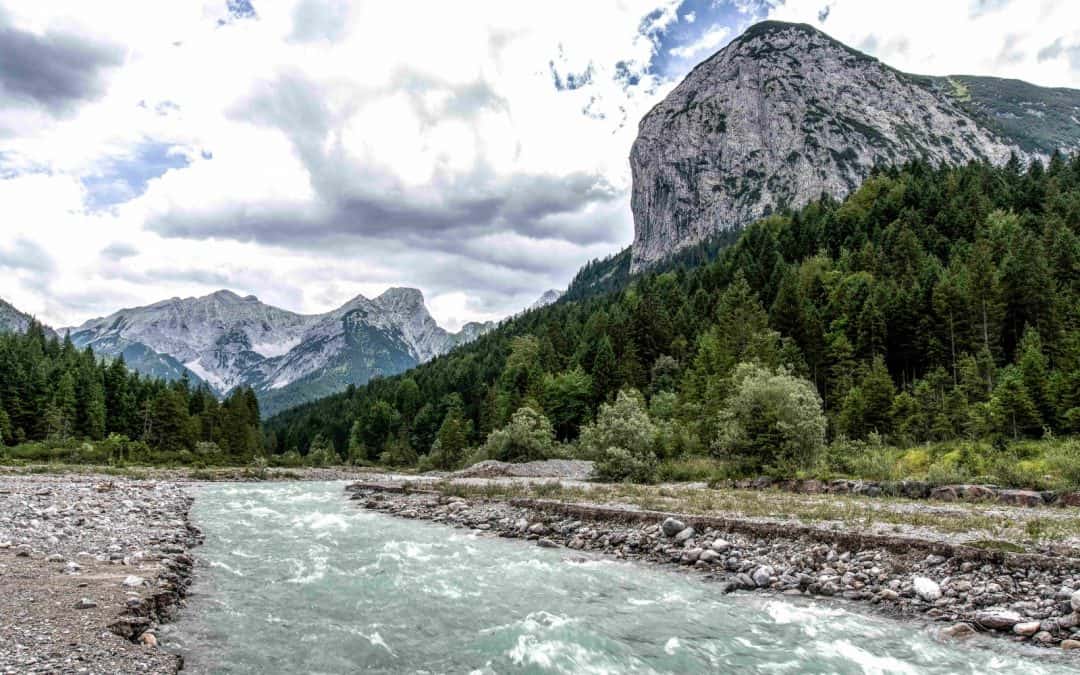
column 785, row 113
column 224, row 341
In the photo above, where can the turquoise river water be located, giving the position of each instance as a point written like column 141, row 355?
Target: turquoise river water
column 297, row 579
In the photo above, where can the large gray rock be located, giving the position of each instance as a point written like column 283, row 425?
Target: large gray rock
column 926, row 589
column 781, row 115
column 672, row 527
column 998, row 619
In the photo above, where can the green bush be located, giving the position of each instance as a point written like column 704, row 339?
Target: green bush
column 622, row 440
column 693, row 468
column 527, row 437
column 772, row 422
column 619, row 465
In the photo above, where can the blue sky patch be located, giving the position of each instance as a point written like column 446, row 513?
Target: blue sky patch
column 673, row 56
column 124, row 178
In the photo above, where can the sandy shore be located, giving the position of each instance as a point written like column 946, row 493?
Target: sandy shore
column 89, row 566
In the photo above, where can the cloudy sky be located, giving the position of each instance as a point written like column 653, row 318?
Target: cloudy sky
column 307, row 151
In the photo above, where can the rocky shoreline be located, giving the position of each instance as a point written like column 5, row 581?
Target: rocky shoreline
column 89, row 567
column 911, row 489
column 1028, row 598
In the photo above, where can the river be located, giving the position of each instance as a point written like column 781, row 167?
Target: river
column 296, row 579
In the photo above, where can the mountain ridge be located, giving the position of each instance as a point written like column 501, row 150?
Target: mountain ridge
column 226, row 340
column 785, row 113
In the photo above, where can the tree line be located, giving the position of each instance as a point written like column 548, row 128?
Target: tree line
column 56, row 396
column 934, row 303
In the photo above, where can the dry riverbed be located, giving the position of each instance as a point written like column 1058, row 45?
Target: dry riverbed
column 89, row 566
column 1011, row 571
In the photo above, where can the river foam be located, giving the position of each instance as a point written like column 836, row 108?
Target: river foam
column 295, row 579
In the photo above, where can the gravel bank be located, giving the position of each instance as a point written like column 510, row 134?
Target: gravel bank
column 1036, row 603
column 89, row 565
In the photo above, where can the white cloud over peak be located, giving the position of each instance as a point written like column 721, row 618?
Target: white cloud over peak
column 309, row 150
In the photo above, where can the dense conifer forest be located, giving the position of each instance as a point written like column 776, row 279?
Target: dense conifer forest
column 61, row 403
column 933, row 305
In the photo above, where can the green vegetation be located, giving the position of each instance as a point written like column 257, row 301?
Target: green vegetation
column 927, row 326
column 1038, row 119
column 60, row 404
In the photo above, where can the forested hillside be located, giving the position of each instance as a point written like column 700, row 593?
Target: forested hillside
column 59, row 402
column 933, row 304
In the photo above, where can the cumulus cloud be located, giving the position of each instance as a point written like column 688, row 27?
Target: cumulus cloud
column 23, row 254
column 54, row 70
column 119, row 250
column 1003, row 38
column 306, row 151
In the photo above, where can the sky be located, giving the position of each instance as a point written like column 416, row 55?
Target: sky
column 306, row 151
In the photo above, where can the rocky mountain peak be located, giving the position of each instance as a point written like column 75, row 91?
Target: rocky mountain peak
column 402, row 299
column 781, row 115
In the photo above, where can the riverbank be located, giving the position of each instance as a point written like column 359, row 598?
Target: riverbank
column 235, row 474
column 901, row 557
column 90, row 565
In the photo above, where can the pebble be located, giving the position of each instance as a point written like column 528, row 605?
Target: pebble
column 77, row 529
column 958, row 631
column 1027, row 628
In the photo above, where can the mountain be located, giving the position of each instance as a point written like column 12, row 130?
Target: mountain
column 12, row 320
column 549, row 296
column 785, row 113
column 225, row 341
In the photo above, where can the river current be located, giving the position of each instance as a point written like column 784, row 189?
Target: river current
column 294, row 578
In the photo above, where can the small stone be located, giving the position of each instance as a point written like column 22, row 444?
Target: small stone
column 958, row 631
column 933, row 559
column 672, row 527
column 133, row 582
column 1027, row 628
column 148, row 639
column 544, row 542
column 22, row 553
column 538, row 528
column 889, row 595
column 72, row 567
column 720, row 545
column 1074, row 601
column 685, row 534
column 85, row 603
column 709, row 556
column 1070, row 644
column 55, row 558
column 763, row 576
column 927, row 589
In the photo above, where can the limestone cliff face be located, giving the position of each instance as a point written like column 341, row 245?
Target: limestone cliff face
column 781, row 115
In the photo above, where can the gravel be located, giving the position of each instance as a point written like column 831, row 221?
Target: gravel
column 89, row 566
column 571, row 469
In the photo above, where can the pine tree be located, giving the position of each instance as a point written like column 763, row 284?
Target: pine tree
column 63, row 408
column 453, row 437
column 1035, row 371
column 604, row 371
column 1011, row 406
